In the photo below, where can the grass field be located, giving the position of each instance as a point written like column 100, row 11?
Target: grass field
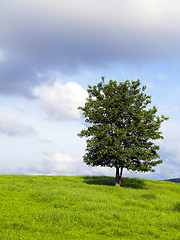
column 60, row 207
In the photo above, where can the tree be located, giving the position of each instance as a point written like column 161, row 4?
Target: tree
column 121, row 130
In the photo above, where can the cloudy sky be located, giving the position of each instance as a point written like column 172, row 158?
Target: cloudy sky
column 51, row 50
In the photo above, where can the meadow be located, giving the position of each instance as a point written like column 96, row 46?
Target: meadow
column 62, row 207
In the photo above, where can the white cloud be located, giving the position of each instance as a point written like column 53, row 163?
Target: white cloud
column 60, row 163
column 170, row 145
column 64, row 164
column 11, row 127
column 61, row 102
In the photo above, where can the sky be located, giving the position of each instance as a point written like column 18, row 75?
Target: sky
column 51, row 50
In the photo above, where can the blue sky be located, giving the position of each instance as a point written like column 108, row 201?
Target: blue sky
column 51, row 50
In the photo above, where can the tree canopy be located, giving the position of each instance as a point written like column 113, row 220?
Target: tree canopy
column 121, row 129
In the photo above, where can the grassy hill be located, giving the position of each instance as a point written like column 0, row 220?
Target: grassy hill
column 47, row 207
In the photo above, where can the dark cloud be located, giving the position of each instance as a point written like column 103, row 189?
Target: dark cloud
column 16, row 77
column 65, row 35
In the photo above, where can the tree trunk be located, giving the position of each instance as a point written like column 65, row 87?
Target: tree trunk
column 118, row 176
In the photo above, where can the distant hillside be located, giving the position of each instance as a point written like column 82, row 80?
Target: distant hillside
column 175, row 180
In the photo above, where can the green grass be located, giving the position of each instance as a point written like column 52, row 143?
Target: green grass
column 48, row 207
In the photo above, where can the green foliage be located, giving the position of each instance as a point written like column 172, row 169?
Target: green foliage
column 121, row 130
column 59, row 208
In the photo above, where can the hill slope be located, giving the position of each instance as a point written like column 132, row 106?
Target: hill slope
column 175, row 180
column 43, row 207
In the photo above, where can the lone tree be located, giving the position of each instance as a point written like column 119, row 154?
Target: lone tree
column 121, row 129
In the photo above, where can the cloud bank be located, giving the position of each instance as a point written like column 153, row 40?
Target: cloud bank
column 39, row 36
column 64, row 164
